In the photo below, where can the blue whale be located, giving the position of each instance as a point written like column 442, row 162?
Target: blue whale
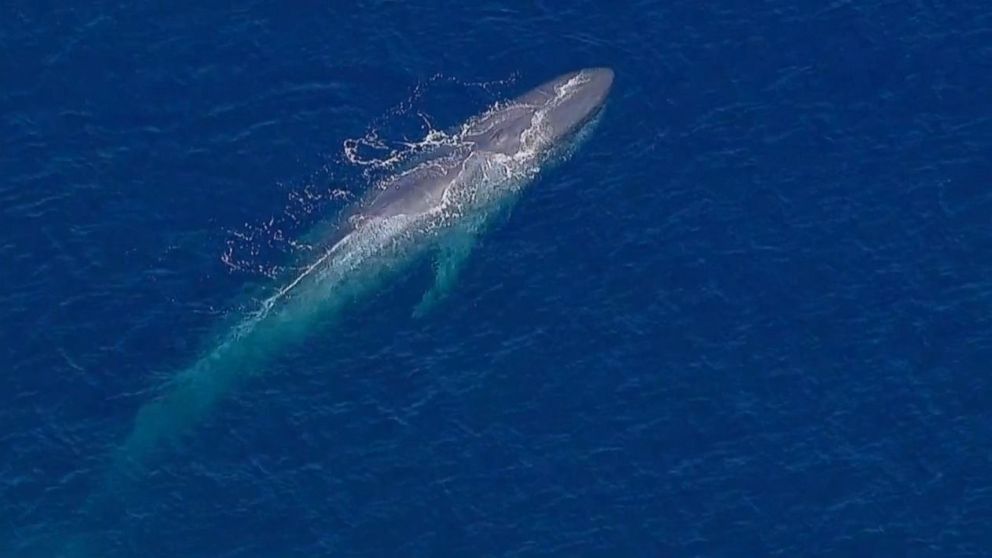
column 442, row 205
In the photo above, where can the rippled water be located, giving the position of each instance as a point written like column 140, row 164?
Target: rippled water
column 752, row 315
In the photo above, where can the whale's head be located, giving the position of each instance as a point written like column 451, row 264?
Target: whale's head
column 550, row 113
column 568, row 102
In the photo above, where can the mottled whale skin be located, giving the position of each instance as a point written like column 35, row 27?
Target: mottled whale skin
column 502, row 130
column 442, row 204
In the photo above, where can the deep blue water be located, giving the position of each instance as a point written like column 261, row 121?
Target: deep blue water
column 752, row 316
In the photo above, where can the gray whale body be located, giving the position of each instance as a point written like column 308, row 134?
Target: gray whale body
column 442, row 204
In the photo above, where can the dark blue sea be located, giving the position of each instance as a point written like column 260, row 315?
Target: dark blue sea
column 751, row 316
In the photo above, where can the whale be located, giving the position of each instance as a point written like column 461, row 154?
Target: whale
column 455, row 191
column 440, row 206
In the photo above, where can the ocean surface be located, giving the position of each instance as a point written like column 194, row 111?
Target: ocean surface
column 751, row 316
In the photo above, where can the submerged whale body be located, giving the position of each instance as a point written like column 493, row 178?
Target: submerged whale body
column 441, row 204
